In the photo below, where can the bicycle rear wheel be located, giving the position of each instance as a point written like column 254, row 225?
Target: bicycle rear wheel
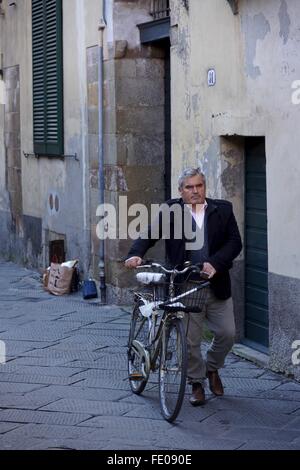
column 172, row 370
column 137, row 367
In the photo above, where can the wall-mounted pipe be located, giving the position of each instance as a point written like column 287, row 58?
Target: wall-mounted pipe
column 101, row 265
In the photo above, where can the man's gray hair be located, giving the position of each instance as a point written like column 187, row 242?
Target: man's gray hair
column 189, row 173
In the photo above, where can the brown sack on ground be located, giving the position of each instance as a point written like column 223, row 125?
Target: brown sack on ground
column 46, row 278
column 60, row 278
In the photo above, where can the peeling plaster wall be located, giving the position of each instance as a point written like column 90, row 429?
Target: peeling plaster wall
column 185, row 135
column 197, row 38
column 66, row 181
column 256, row 57
column 133, row 129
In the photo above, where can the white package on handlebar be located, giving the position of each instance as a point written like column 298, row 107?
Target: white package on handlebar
column 150, row 278
column 148, row 308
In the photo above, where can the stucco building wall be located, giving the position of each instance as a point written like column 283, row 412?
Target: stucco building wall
column 66, row 180
column 256, row 60
column 133, row 112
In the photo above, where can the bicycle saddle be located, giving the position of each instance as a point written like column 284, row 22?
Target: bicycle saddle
column 150, row 278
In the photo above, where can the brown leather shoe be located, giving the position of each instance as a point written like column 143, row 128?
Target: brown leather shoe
column 198, row 395
column 215, row 383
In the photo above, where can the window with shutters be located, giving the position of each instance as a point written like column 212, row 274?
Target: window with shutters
column 47, row 77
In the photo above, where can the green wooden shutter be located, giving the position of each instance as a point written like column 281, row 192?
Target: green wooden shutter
column 47, row 77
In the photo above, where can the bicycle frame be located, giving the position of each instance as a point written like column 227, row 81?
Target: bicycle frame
column 157, row 340
column 152, row 349
column 154, row 338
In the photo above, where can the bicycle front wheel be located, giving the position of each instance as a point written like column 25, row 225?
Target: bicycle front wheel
column 172, row 369
column 137, row 367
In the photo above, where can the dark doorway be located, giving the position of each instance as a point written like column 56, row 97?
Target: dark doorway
column 256, row 245
column 57, row 251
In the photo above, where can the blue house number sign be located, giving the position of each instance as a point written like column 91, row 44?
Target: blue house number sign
column 211, row 77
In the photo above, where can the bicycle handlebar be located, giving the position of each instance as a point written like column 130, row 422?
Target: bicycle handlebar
column 169, row 271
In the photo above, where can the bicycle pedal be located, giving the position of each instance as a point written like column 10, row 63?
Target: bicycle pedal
column 136, row 376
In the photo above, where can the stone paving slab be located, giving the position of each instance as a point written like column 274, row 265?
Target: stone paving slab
column 46, row 362
column 39, row 330
column 5, row 427
column 9, row 313
column 55, row 371
column 293, row 395
column 108, row 326
column 104, row 383
column 47, row 444
column 65, row 384
column 127, row 425
column 289, row 386
column 22, row 346
column 37, row 379
column 119, row 444
column 243, row 373
column 78, row 364
column 56, row 352
column 260, row 434
column 46, row 417
column 256, row 405
column 112, row 361
column 103, row 408
column 70, row 444
column 89, row 342
column 268, row 445
column 55, row 392
column 184, row 442
column 246, row 383
column 48, row 431
column 267, row 375
column 21, row 402
column 6, row 324
column 248, row 418
column 294, row 423
column 20, row 388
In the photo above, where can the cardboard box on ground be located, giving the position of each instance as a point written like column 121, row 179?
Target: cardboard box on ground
column 60, row 279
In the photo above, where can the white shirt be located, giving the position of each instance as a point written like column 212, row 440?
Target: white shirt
column 199, row 214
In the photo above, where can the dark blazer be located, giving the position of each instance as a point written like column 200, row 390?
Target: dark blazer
column 223, row 242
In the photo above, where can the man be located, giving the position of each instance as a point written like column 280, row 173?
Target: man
column 213, row 218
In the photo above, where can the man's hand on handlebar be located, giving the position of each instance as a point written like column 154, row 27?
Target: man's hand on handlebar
column 208, row 271
column 133, row 262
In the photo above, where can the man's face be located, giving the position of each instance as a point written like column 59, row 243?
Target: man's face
column 193, row 190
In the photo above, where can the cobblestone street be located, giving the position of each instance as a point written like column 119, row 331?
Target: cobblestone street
column 64, row 384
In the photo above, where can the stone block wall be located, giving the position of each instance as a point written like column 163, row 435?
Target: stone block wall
column 133, row 145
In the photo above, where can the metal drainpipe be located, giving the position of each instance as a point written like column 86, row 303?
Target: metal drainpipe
column 101, row 264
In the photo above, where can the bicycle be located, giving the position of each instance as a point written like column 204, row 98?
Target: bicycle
column 157, row 340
